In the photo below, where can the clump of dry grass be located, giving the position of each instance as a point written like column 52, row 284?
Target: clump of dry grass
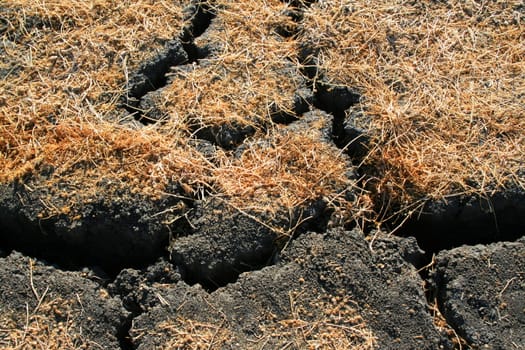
column 192, row 335
column 84, row 48
column 442, row 84
column 249, row 74
column 248, row 32
column 289, row 171
column 85, row 156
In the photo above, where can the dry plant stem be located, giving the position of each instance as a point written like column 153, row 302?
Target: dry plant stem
column 35, row 293
column 441, row 323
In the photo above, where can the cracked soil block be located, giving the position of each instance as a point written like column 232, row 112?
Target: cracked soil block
column 481, row 292
column 41, row 306
column 332, row 284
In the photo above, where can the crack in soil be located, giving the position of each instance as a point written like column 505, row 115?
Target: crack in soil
column 439, row 226
column 468, row 220
column 124, row 336
column 152, row 75
column 44, row 243
column 461, row 221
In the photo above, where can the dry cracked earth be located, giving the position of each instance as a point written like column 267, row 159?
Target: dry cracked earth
column 213, row 191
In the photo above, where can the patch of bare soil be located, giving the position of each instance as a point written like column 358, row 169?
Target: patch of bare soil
column 480, row 290
column 45, row 308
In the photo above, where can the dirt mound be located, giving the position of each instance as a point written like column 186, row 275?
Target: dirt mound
column 327, row 290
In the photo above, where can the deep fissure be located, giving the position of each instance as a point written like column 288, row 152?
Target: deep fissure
column 65, row 257
column 227, row 275
column 152, row 75
column 467, row 221
column 124, row 337
column 337, row 101
column 41, row 239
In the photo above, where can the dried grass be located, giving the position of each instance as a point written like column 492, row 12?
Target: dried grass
column 290, row 170
column 191, row 335
column 249, row 74
column 64, row 69
column 325, row 322
column 443, row 86
column 329, row 322
column 52, row 326
column 84, row 47
column 61, row 128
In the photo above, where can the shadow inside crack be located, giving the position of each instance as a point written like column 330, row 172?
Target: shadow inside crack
column 109, row 234
column 468, row 220
column 224, row 242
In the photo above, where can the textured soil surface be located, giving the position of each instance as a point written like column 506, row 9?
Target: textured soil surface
column 481, row 290
column 324, row 290
column 277, row 175
column 43, row 307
